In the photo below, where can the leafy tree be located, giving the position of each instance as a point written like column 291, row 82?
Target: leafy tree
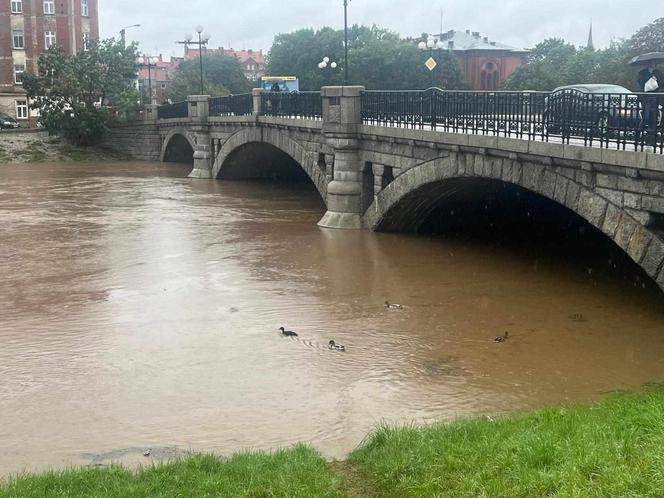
column 222, row 75
column 73, row 93
column 650, row 38
column 555, row 62
column 378, row 59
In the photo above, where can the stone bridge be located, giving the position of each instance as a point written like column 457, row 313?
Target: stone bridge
column 390, row 178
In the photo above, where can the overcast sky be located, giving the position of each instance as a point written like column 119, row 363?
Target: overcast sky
column 253, row 23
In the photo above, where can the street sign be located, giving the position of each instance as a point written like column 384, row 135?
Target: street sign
column 431, row 64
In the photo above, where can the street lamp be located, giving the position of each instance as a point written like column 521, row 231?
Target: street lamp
column 325, row 64
column 149, row 62
column 123, row 31
column 203, row 39
column 430, row 45
column 345, row 42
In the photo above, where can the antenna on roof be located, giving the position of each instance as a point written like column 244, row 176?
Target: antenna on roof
column 441, row 21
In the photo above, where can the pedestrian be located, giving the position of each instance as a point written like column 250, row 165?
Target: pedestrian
column 275, row 87
column 651, row 107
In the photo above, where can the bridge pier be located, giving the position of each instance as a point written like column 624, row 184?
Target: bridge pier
column 342, row 116
column 199, row 111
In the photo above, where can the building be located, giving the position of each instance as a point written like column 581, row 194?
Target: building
column 252, row 61
column 158, row 77
column 28, row 28
column 485, row 64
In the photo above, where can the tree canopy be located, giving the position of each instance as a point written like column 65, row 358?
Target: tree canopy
column 73, row 93
column 222, row 75
column 378, row 59
column 554, row 62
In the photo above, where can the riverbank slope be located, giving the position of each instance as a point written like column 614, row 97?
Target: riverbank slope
column 614, row 447
column 36, row 146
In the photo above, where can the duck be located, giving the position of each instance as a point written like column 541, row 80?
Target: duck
column 392, row 306
column 147, row 452
column 287, row 333
column 336, row 347
column 502, row 338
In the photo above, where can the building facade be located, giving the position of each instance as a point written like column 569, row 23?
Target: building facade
column 485, row 64
column 27, row 29
column 157, row 78
column 252, row 61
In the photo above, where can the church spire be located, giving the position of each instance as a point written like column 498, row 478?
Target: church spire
column 591, row 45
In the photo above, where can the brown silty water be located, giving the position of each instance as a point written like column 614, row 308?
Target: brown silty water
column 139, row 309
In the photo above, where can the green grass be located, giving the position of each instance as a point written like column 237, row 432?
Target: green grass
column 298, row 472
column 612, row 448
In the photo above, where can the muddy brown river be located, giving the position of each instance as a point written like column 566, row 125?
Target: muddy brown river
column 139, row 309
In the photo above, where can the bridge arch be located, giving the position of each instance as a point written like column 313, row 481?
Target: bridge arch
column 266, row 144
column 178, row 147
column 418, row 192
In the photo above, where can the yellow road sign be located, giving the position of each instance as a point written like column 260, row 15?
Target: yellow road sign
column 431, row 64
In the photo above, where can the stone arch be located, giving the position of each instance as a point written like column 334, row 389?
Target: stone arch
column 308, row 161
column 175, row 140
column 638, row 241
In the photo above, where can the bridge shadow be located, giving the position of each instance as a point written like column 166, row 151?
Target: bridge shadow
column 259, row 161
column 496, row 214
column 179, row 150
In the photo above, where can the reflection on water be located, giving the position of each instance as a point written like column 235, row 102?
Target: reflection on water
column 140, row 310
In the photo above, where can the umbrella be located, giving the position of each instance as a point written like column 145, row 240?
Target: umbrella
column 646, row 58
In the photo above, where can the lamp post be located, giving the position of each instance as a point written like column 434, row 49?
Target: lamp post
column 124, row 30
column 345, row 42
column 203, row 39
column 430, row 45
column 149, row 62
column 325, row 64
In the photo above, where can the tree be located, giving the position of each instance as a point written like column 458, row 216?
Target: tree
column 378, row 59
column 222, row 75
column 73, row 93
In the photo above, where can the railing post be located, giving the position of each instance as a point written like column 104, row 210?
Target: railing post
column 150, row 113
column 256, row 94
column 342, row 117
column 199, row 111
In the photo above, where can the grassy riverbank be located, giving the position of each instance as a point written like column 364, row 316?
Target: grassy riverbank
column 614, row 448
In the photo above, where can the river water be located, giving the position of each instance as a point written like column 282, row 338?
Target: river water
column 140, row 309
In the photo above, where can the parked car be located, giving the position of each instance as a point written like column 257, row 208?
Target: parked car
column 7, row 122
column 597, row 109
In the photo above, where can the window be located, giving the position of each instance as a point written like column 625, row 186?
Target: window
column 49, row 39
column 19, row 69
column 86, row 41
column 17, row 6
column 49, row 6
column 19, row 40
column 21, row 109
column 84, row 8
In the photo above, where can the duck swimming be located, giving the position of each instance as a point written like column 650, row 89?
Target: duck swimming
column 502, row 338
column 336, row 347
column 392, row 306
column 287, row 333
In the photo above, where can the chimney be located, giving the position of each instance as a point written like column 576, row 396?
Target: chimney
column 467, row 31
column 450, row 44
column 493, row 44
column 250, row 51
column 486, row 39
column 476, row 34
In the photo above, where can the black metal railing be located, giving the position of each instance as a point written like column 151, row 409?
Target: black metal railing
column 170, row 111
column 306, row 105
column 232, row 105
column 620, row 121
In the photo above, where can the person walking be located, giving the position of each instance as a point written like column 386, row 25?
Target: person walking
column 651, row 107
